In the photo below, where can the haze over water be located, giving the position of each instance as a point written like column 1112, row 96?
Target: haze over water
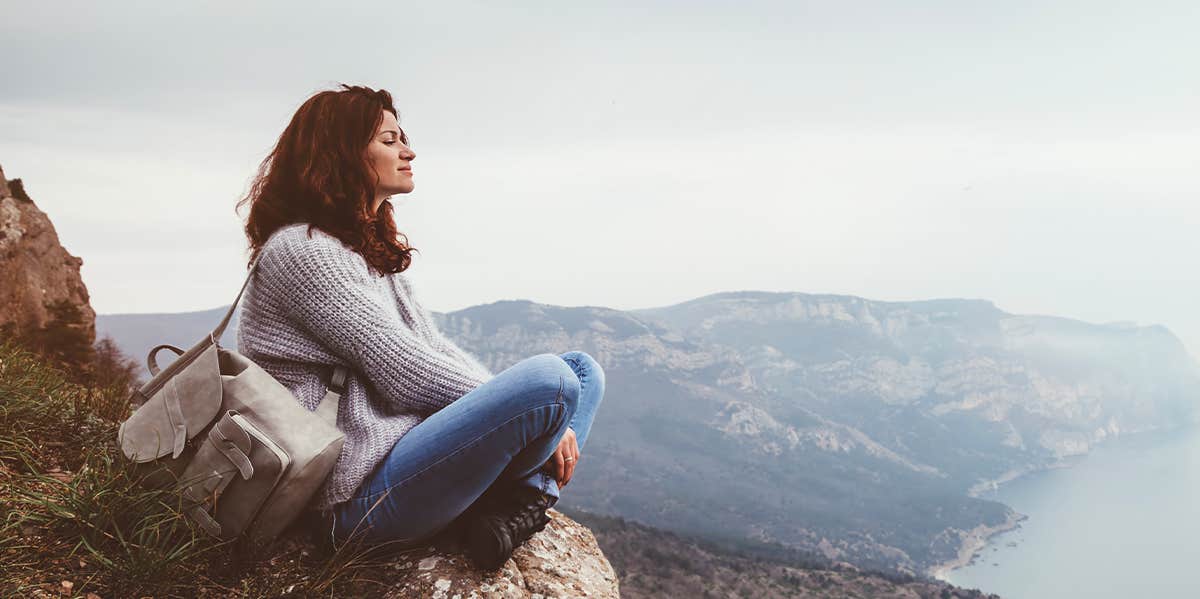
column 1124, row 522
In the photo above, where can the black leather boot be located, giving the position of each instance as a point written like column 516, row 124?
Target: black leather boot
column 500, row 525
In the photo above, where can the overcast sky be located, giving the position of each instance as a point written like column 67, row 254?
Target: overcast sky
column 1042, row 155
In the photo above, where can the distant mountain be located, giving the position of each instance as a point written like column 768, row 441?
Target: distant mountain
column 1045, row 385
column 833, row 424
column 137, row 334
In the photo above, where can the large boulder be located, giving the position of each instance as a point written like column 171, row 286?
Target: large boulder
column 563, row 560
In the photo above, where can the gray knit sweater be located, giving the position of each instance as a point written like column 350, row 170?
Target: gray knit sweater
column 313, row 303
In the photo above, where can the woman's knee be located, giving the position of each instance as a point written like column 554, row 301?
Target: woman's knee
column 587, row 367
column 550, row 375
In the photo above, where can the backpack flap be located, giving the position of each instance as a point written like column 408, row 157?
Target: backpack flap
column 180, row 401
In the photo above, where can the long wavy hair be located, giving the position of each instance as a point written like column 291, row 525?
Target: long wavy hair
column 318, row 174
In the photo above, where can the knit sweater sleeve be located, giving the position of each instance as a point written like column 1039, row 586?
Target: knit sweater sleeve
column 462, row 354
column 440, row 340
column 328, row 290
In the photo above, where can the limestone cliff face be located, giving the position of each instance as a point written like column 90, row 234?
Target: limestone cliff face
column 35, row 270
column 1041, row 385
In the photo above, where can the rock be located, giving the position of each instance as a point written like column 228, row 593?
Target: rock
column 35, row 269
column 563, row 560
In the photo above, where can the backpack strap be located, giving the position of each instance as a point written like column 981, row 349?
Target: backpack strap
column 328, row 408
column 217, row 332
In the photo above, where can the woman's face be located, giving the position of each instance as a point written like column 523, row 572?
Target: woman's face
column 390, row 159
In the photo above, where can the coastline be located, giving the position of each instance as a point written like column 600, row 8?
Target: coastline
column 973, row 542
column 992, row 485
column 978, row 538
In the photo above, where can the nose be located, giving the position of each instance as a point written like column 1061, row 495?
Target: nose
column 407, row 153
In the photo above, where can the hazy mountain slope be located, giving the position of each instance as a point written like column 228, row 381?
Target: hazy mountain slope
column 1020, row 387
column 687, row 440
column 837, row 422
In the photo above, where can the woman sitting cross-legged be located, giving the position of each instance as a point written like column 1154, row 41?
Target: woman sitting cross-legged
column 432, row 436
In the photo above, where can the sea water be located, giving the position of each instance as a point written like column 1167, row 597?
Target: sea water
column 1124, row 522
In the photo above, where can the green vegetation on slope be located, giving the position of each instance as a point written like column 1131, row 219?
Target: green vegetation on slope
column 656, row 563
column 75, row 522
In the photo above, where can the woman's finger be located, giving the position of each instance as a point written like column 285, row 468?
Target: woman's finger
column 559, row 464
column 573, row 453
column 570, row 471
column 570, row 455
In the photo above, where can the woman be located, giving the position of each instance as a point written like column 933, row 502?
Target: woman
column 432, row 437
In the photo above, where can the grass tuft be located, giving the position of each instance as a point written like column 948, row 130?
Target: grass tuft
column 75, row 518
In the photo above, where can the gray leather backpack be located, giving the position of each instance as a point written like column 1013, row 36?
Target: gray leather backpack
column 238, row 446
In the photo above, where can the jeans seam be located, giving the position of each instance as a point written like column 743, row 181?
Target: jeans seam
column 578, row 367
column 557, row 402
column 558, row 399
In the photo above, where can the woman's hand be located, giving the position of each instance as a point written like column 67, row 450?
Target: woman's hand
column 562, row 464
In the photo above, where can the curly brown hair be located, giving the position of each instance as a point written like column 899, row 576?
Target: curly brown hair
column 318, row 174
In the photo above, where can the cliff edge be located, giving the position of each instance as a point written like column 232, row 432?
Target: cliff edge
column 563, row 560
column 36, row 272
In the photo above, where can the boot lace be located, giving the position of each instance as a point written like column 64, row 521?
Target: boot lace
column 530, row 518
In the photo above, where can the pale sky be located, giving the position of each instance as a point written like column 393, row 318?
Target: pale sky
column 1042, row 155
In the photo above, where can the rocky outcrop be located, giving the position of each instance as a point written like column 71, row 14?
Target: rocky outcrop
column 563, row 560
column 36, row 272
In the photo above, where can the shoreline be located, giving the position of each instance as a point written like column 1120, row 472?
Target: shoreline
column 983, row 487
column 974, row 542
column 978, row 538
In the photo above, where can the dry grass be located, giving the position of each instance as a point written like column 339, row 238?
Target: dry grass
column 75, row 520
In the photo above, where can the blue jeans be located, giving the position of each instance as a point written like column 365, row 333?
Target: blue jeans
column 503, row 431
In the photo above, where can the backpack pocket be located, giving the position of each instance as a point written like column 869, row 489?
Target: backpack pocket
column 231, row 475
